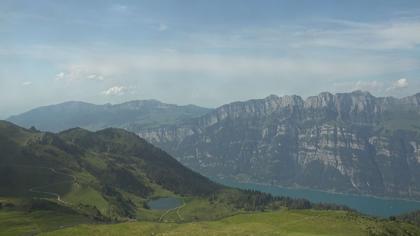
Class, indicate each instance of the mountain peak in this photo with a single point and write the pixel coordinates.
(272, 97)
(291, 100)
(323, 99)
(413, 100)
(141, 104)
(132, 114)
(361, 93)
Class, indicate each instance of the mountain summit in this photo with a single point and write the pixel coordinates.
(132, 115)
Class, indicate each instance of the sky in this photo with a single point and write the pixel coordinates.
(200, 52)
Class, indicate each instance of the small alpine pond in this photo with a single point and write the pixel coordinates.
(164, 203)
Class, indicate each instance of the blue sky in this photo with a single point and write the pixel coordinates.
(203, 52)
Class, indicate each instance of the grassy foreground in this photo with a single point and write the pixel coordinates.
(284, 222)
(30, 223)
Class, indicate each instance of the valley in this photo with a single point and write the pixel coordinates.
(210, 118)
(353, 143)
(87, 183)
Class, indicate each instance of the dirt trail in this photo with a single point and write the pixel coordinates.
(33, 189)
(36, 189)
(174, 209)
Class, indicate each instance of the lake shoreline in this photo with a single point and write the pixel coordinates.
(366, 204)
(164, 203)
(319, 190)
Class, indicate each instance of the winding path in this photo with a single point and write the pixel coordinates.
(56, 195)
(179, 208)
(33, 189)
(173, 209)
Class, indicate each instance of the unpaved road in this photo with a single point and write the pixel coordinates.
(174, 209)
(37, 188)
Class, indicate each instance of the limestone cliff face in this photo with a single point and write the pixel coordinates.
(349, 142)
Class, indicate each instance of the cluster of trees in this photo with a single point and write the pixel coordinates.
(124, 206)
(412, 217)
(252, 200)
(331, 206)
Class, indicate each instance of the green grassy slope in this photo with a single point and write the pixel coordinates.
(296, 222)
(411, 217)
(27, 223)
(111, 170)
(29, 217)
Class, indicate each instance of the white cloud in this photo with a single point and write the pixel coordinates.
(26, 83)
(397, 34)
(382, 88)
(119, 8)
(399, 84)
(59, 76)
(95, 77)
(236, 66)
(116, 90)
(114, 62)
(162, 27)
(78, 73)
(371, 86)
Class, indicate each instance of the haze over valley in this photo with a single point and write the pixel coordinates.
(196, 117)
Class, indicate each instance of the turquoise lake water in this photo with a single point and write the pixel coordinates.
(164, 203)
(365, 204)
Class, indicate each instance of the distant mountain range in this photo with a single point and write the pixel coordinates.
(345, 142)
(348, 142)
(133, 115)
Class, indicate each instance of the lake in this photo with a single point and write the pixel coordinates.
(382, 207)
(164, 203)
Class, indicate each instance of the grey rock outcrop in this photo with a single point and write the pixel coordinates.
(346, 142)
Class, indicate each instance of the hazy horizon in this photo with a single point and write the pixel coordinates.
(116, 103)
(205, 53)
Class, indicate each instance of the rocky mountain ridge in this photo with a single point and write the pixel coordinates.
(346, 142)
